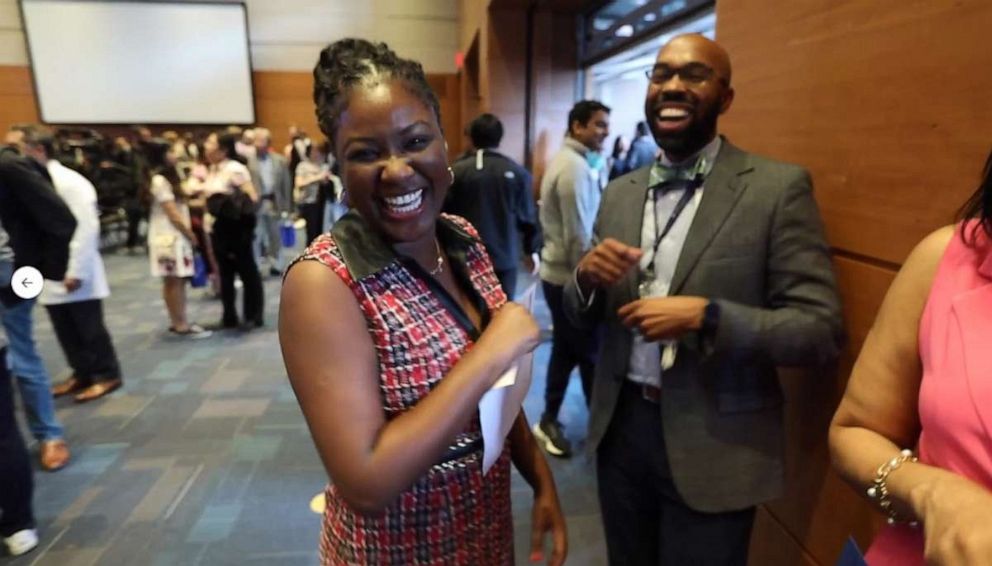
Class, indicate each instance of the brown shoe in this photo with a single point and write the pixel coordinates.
(97, 390)
(54, 454)
(71, 385)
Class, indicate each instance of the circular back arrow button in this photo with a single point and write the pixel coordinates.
(27, 282)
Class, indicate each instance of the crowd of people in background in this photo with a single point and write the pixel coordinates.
(209, 210)
(679, 270)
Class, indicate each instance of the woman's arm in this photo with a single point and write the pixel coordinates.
(249, 189)
(546, 515)
(879, 416)
(332, 366)
(172, 213)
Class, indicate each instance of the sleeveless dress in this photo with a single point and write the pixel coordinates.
(955, 400)
(452, 514)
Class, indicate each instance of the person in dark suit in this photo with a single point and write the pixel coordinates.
(40, 227)
(726, 276)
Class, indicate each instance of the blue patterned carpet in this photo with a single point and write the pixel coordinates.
(204, 458)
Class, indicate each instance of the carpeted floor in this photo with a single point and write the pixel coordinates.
(204, 458)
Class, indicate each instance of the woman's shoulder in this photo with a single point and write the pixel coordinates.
(921, 266)
(323, 250)
(234, 166)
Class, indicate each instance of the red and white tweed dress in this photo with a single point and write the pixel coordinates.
(452, 514)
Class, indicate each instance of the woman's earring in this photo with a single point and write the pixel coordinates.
(452, 172)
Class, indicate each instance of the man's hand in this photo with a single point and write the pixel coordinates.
(664, 318)
(606, 264)
(71, 284)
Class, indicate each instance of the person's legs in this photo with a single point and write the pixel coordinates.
(562, 360)
(690, 537)
(252, 283)
(99, 356)
(267, 240)
(29, 370)
(135, 214)
(313, 214)
(585, 348)
(628, 498)
(274, 220)
(15, 465)
(226, 268)
(548, 430)
(174, 295)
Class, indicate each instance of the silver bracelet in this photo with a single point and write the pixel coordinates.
(879, 490)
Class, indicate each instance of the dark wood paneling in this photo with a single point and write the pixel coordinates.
(772, 544)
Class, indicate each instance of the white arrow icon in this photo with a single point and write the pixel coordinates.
(27, 282)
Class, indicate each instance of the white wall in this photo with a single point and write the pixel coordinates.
(287, 35)
(625, 97)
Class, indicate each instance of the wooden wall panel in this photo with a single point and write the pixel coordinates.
(494, 41)
(886, 102)
(881, 101)
(16, 97)
(818, 509)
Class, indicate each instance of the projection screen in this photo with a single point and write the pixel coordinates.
(107, 62)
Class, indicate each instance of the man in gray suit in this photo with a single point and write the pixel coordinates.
(710, 270)
(275, 189)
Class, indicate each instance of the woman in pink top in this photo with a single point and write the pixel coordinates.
(923, 382)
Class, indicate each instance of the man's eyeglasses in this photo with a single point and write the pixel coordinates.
(691, 74)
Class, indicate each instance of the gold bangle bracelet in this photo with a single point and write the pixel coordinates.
(879, 489)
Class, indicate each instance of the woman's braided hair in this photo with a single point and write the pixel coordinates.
(348, 63)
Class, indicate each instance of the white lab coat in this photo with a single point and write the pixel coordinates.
(85, 262)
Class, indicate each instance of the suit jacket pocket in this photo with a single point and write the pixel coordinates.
(741, 388)
(735, 251)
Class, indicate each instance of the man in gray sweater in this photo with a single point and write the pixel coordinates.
(570, 194)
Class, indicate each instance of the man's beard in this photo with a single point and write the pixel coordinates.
(697, 135)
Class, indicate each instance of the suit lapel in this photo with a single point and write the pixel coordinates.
(722, 188)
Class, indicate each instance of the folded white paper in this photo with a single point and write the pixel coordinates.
(499, 407)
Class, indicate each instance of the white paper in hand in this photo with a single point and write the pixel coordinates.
(499, 407)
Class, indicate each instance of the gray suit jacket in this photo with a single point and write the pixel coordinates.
(283, 190)
(756, 248)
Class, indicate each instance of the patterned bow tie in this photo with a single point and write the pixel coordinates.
(662, 174)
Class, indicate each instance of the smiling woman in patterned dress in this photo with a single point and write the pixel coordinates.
(392, 327)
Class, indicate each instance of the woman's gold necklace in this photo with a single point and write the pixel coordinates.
(439, 268)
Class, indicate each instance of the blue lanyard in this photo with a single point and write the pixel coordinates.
(690, 191)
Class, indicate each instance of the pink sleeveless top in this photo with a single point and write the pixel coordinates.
(955, 401)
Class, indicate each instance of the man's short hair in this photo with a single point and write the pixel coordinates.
(37, 135)
(486, 131)
(641, 129)
(583, 110)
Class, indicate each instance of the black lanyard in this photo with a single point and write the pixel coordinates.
(690, 191)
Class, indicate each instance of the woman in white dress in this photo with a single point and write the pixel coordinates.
(171, 240)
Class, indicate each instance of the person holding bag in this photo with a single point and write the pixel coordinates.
(171, 241)
(231, 200)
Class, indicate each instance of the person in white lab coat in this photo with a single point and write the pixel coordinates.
(75, 304)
